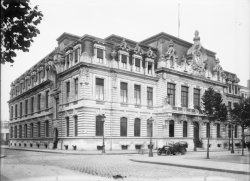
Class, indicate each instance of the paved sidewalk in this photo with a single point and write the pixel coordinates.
(198, 160)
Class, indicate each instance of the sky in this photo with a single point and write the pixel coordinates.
(223, 26)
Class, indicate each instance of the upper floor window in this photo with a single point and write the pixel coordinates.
(38, 102)
(47, 99)
(137, 92)
(230, 88)
(27, 83)
(16, 111)
(150, 96)
(99, 55)
(26, 106)
(123, 126)
(236, 90)
(171, 128)
(25, 131)
(11, 132)
(67, 89)
(21, 109)
(196, 98)
(184, 96)
(218, 76)
(67, 62)
(137, 127)
(150, 68)
(32, 104)
(20, 131)
(77, 54)
(11, 112)
(124, 61)
(67, 126)
(15, 131)
(137, 64)
(31, 130)
(171, 94)
(76, 86)
(124, 92)
(99, 85)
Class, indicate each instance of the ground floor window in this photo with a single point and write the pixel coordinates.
(171, 128)
(184, 128)
(76, 125)
(137, 127)
(123, 126)
(67, 126)
(149, 128)
(99, 126)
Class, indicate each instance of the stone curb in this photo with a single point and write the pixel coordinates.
(194, 167)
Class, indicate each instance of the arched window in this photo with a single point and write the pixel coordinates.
(99, 126)
(208, 130)
(171, 128)
(123, 126)
(184, 128)
(137, 127)
(236, 131)
(149, 128)
(67, 126)
(218, 130)
(76, 125)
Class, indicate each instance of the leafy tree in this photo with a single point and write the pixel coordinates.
(18, 27)
(241, 116)
(214, 109)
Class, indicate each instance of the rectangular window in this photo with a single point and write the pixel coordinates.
(137, 64)
(39, 102)
(230, 104)
(67, 60)
(99, 129)
(27, 84)
(25, 130)
(184, 96)
(99, 85)
(171, 94)
(77, 52)
(123, 127)
(15, 132)
(196, 98)
(67, 126)
(229, 88)
(137, 92)
(47, 99)
(11, 112)
(16, 111)
(32, 105)
(21, 109)
(38, 129)
(124, 92)
(218, 131)
(99, 55)
(26, 107)
(76, 86)
(46, 128)
(150, 96)
(150, 67)
(76, 125)
(20, 131)
(67, 89)
(11, 132)
(236, 90)
(137, 127)
(124, 61)
(31, 130)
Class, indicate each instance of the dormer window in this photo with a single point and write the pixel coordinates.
(230, 88)
(150, 67)
(236, 90)
(124, 61)
(67, 60)
(99, 55)
(137, 64)
(77, 54)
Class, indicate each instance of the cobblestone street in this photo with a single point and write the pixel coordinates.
(103, 166)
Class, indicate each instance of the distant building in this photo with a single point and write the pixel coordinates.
(140, 89)
(4, 132)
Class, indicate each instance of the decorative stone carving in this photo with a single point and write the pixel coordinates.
(171, 55)
(124, 46)
(150, 53)
(138, 50)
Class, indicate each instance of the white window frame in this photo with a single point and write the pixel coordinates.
(97, 60)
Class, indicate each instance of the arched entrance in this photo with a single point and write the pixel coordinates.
(196, 134)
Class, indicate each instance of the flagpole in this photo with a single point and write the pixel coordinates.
(178, 20)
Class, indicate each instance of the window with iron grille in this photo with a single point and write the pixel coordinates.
(137, 127)
(184, 96)
(196, 98)
(124, 92)
(123, 127)
(67, 126)
(137, 92)
(99, 126)
(171, 93)
(150, 96)
(99, 86)
(184, 128)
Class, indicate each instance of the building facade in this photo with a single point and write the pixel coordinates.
(4, 132)
(125, 91)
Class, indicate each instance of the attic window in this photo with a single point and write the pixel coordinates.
(137, 64)
(150, 68)
(100, 55)
(124, 61)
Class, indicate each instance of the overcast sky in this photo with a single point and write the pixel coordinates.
(223, 25)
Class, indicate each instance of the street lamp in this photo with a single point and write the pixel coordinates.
(103, 143)
(231, 128)
(150, 154)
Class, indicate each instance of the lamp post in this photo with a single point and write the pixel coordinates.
(103, 143)
(232, 150)
(150, 154)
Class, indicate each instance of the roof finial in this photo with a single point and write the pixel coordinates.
(196, 35)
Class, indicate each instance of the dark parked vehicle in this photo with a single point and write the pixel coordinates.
(178, 147)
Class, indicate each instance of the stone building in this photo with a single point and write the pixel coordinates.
(124, 90)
